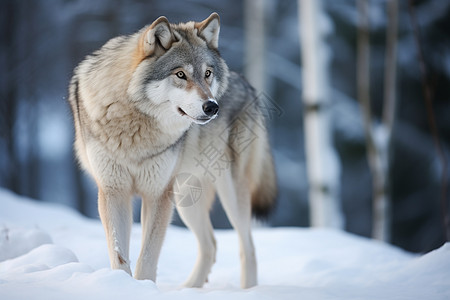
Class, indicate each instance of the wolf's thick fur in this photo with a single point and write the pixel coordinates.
(140, 106)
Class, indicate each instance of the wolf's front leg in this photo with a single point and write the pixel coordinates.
(116, 215)
(155, 217)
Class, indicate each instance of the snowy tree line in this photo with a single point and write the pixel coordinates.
(42, 41)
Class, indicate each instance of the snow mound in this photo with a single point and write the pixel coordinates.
(17, 241)
(44, 257)
(427, 269)
(51, 252)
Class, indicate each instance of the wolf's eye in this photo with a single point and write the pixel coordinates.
(181, 75)
(207, 73)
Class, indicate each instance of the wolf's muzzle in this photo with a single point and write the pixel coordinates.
(210, 108)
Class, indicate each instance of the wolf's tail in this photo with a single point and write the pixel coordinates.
(264, 192)
(264, 196)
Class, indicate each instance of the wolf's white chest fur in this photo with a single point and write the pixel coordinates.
(124, 149)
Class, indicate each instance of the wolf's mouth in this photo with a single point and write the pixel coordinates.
(181, 112)
(201, 120)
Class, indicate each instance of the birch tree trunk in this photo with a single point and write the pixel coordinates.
(378, 135)
(322, 160)
(255, 43)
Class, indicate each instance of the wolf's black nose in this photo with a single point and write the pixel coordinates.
(210, 108)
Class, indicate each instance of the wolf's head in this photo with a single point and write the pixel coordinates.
(179, 73)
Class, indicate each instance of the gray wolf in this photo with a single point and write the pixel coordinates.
(150, 111)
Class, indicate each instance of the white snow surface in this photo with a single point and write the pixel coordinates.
(51, 252)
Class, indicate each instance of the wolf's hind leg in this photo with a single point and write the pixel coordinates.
(116, 215)
(196, 218)
(237, 205)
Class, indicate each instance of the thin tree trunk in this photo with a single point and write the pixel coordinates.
(255, 72)
(382, 231)
(428, 98)
(32, 166)
(378, 136)
(9, 93)
(322, 160)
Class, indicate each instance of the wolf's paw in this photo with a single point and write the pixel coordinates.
(194, 283)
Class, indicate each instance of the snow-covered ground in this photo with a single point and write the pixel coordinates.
(51, 252)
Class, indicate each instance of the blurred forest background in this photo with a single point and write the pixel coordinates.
(42, 41)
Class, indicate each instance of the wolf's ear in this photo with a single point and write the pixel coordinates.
(209, 29)
(158, 38)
